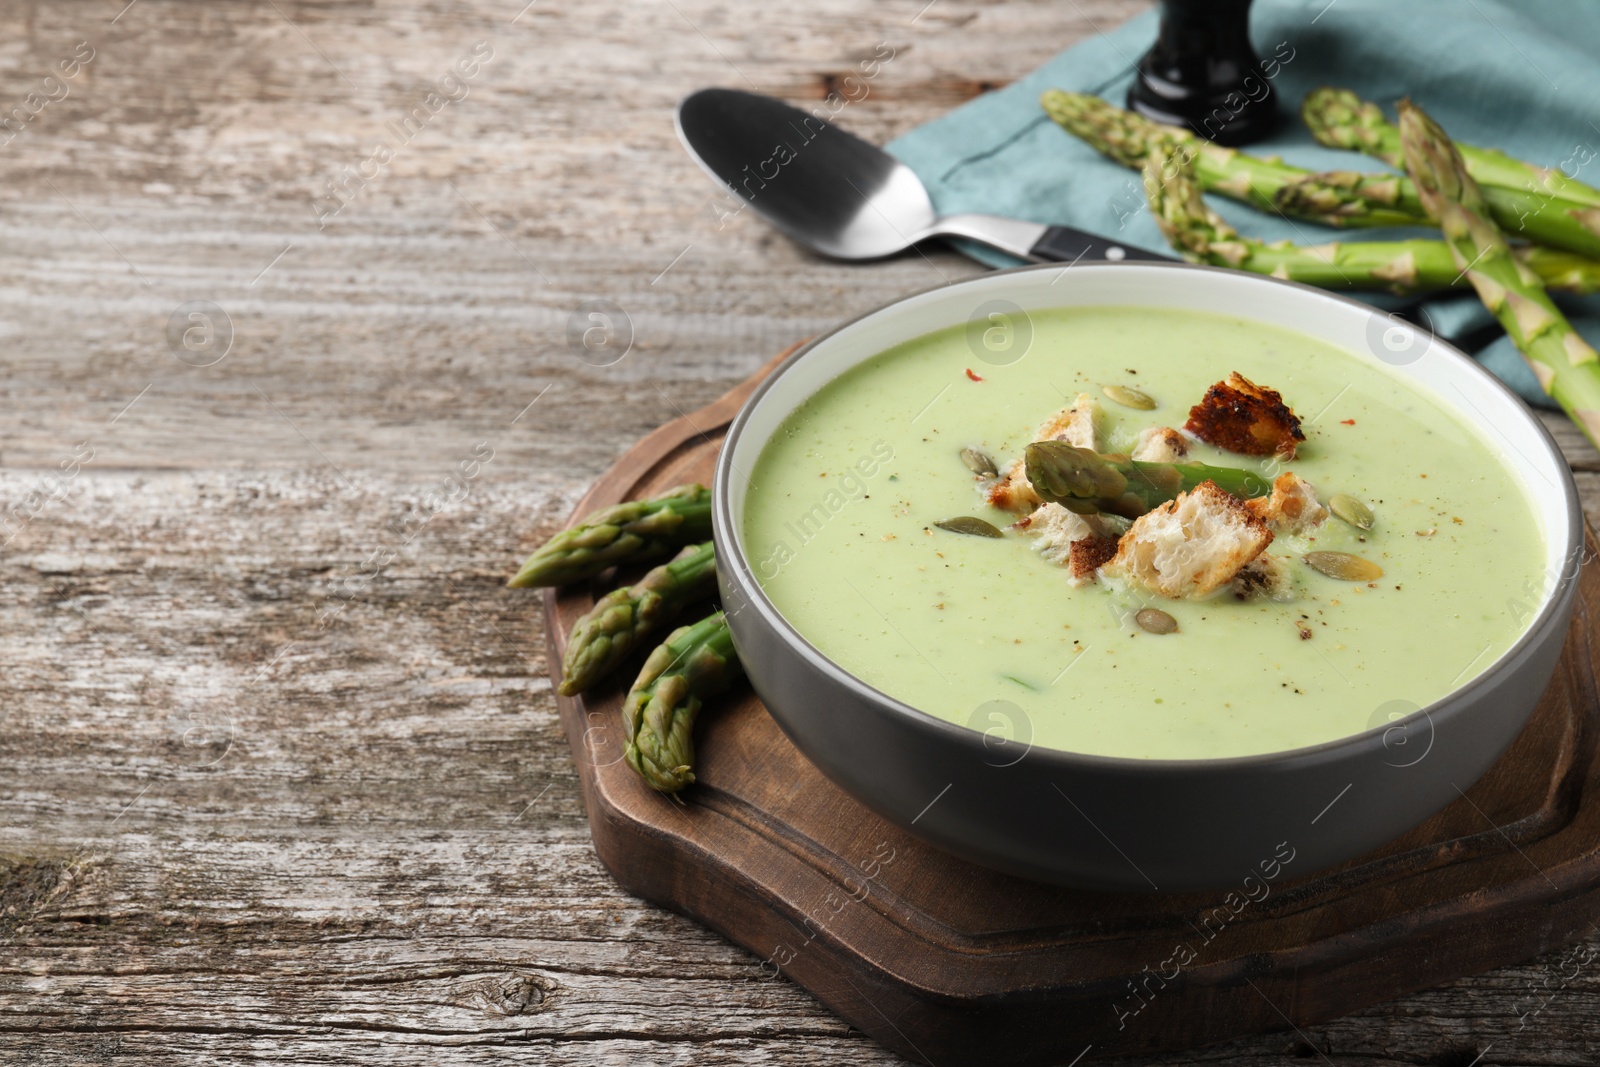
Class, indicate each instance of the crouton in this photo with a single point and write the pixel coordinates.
(1192, 546)
(1265, 576)
(1160, 444)
(1293, 506)
(1089, 554)
(1013, 491)
(1237, 415)
(1058, 533)
(1077, 424)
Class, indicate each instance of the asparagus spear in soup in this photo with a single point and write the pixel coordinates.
(1088, 482)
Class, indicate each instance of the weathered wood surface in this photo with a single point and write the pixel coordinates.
(283, 778)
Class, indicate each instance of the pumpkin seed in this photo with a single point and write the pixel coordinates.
(1344, 566)
(1156, 621)
(978, 462)
(1351, 510)
(1128, 397)
(967, 524)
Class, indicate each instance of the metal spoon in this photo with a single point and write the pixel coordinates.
(843, 197)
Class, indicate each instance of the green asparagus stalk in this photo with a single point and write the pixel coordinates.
(1087, 482)
(1560, 270)
(1566, 366)
(633, 532)
(1525, 214)
(1337, 194)
(1339, 118)
(695, 662)
(604, 636)
(1340, 198)
(1203, 236)
(1129, 139)
(1528, 202)
(1531, 216)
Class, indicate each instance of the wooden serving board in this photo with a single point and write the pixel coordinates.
(948, 963)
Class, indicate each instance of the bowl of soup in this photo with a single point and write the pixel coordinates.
(916, 616)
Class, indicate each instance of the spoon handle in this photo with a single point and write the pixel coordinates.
(1063, 244)
(1039, 243)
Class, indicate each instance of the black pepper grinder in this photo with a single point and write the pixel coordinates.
(1203, 73)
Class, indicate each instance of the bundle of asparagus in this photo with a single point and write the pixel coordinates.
(1337, 198)
(1339, 118)
(1534, 203)
(1420, 265)
(693, 663)
(1131, 139)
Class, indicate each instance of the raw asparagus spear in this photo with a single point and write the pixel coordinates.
(1522, 213)
(695, 662)
(1528, 202)
(604, 636)
(1339, 118)
(1566, 366)
(1338, 198)
(1565, 271)
(631, 532)
(1086, 482)
(1336, 194)
(1202, 236)
(1129, 139)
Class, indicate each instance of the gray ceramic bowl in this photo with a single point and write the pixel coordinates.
(1130, 824)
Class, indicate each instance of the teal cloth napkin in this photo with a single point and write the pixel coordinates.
(1517, 76)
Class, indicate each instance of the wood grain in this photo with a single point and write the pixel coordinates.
(240, 825)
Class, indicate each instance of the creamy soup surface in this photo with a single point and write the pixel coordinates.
(839, 527)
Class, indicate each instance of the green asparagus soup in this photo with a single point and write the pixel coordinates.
(840, 526)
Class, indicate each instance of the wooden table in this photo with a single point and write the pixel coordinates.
(282, 774)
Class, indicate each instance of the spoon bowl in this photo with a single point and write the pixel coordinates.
(838, 195)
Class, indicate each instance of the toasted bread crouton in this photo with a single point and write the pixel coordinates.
(1160, 444)
(1058, 532)
(1077, 424)
(1237, 415)
(1013, 492)
(1265, 576)
(1293, 506)
(1191, 546)
(1089, 554)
